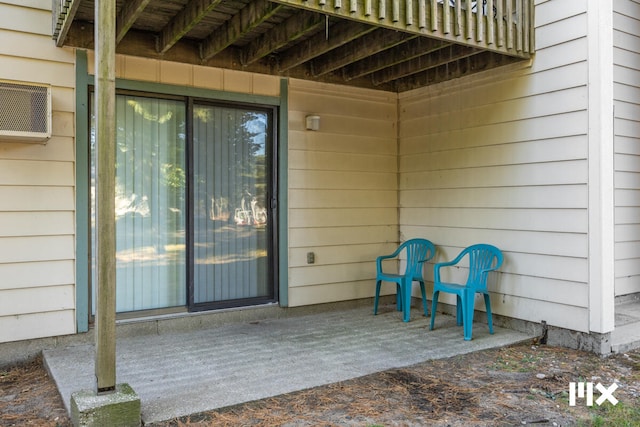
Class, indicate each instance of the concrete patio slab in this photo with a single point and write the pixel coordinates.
(177, 374)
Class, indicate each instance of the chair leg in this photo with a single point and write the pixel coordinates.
(468, 301)
(398, 297)
(424, 300)
(375, 300)
(434, 303)
(406, 300)
(487, 304)
(459, 310)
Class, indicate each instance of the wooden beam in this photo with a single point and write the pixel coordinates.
(249, 17)
(338, 35)
(375, 42)
(142, 44)
(184, 21)
(66, 15)
(414, 48)
(281, 35)
(128, 15)
(105, 108)
(422, 63)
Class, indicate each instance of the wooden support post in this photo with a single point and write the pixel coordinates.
(105, 108)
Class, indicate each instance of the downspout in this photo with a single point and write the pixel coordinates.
(398, 177)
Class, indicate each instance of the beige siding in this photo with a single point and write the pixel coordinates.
(501, 158)
(37, 223)
(626, 55)
(343, 181)
(173, 73)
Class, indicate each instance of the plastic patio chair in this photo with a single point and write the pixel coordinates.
(418, 251)
(482, 259)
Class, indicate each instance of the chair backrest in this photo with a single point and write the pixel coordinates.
(418, 251)
(483, 258)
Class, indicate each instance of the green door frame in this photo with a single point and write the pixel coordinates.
(83, 226)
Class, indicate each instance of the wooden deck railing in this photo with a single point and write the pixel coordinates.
(504, 26)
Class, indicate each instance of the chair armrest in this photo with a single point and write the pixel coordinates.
(436, 267)
(382, 258)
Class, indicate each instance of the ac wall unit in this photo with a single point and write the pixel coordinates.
(25, 112)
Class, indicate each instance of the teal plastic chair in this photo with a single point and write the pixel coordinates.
(418, 251)
(482, 259)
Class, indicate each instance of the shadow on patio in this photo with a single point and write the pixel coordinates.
(182, 373)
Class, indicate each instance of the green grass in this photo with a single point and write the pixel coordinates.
(620, 415)
(527, 363)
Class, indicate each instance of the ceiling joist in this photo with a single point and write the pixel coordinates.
(338, 35)
(413, 48)
(289, 31)
(130, 12)
(184, 21)
(247, 20)
(422, 63)
(377, 41)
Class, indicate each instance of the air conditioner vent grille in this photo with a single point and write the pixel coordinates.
(25, 111)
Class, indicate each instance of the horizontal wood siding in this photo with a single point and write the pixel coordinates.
(173, 73)
(37, 221)
(343, 200)
(501, 158)
(626, 56)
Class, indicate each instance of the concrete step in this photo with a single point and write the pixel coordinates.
(625, 338)
(626, 335)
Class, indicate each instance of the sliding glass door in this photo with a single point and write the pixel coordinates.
(193, 194)
(230, 189)
(150, 203)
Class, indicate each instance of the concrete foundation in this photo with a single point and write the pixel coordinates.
(592, 342)
(118, 408)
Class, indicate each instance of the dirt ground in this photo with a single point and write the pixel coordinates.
(518, 385)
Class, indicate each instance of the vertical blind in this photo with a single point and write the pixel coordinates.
(150, 203)
(230, 244)
(228, 209)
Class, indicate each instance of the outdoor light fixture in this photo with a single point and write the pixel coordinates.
(313, 122)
